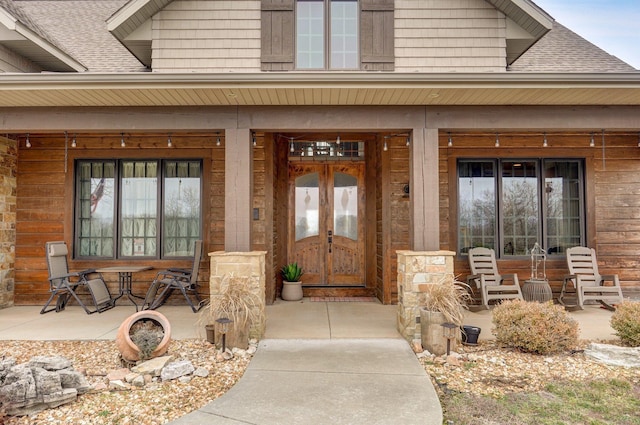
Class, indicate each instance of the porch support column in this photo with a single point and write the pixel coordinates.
(423, 186)
(237, 189)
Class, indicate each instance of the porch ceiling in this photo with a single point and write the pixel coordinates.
(155, 89)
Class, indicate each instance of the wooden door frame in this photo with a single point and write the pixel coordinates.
(281, 196)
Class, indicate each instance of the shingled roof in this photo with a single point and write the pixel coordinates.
(79, 27)
(562, 50)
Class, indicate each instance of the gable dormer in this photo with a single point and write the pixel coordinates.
(26, 48)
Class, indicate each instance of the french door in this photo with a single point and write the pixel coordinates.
(326, 222)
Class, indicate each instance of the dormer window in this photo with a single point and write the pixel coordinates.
(327, 34)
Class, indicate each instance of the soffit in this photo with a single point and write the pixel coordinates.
(151, 89)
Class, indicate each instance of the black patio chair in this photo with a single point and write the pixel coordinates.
(186, 280)
(64, 284)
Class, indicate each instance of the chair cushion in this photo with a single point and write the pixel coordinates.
(58, 250)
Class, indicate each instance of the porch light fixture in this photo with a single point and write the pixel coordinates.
(169, 144)
(450, 142)
(497, 141)
(544, 142)
(28, 143)
(73, 141)
(122, 143)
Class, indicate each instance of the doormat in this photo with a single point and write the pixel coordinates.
(344, 299)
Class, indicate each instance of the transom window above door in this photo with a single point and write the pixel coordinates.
(327, 34)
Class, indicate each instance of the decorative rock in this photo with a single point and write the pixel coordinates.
(138, 381)
(118, 385)
(614, 355)
(201, 372)
(416, 345)
(130, 377)
(184, 379)
(176, 369)
(50, 362)
(118, 375)
(153, 366)
(252, 349)
(73, 379)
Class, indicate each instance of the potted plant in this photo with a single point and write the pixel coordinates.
(291, 283)
(237, 303)
(442, 303)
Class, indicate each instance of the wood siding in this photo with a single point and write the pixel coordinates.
(207, 36)
(45, 204)
(449, 35)
(612, 197)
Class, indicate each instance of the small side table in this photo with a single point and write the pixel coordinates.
(537, 290)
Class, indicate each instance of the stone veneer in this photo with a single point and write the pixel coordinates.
(244, 264)
(8, 161)
(414, 269)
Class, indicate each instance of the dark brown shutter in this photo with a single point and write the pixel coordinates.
(376, 35)
(277, 22)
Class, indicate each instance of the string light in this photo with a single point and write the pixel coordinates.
(338, 140)
(254, 142)
(592, 143)
(384, 146)
(291, 147)
(218, 139)
(497, 141)
(122, 143)
(28, 143)
(544, 143)
(73, 142)
(450, 142)
(169, 144)
(408, 141)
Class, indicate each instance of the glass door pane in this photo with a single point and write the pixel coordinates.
(307, 206)
(345, 206)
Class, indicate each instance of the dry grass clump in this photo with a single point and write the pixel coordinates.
(541, 328)
(146, 335)
(626, 322)
(449, 297)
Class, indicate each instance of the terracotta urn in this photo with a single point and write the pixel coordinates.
(128, 349)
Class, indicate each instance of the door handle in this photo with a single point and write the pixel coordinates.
(330, 239)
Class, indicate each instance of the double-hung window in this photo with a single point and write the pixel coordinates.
(327, 34)
(137, 208)
(510, 204)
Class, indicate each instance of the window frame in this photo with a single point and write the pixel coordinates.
(327, 37)
(543, 236)
(118, 204)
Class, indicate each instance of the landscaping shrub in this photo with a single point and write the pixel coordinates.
(533, 327)
(626, 322)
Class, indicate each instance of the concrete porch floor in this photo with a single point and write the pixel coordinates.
(285, 320)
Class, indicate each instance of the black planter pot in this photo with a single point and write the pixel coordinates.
(470, 335)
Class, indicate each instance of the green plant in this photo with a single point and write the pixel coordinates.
(291, 272)
(626, 322)
(541, 328)
(448, 296)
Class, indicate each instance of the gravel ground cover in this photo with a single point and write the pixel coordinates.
(152, 405)
(485, 369)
